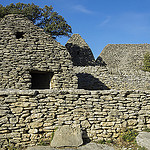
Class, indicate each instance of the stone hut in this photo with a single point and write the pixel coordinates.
(32, 59)
(124, 57)
(80, 51)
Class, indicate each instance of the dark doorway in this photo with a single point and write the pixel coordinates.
(41, 80)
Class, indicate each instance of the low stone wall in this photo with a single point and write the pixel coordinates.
(29, 116)
(102, 78)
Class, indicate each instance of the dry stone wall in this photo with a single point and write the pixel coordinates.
(25, 50)
(119, 66)
(102, 78)
(124, 57)
(29, 57)
(29, 116)
(80, 52)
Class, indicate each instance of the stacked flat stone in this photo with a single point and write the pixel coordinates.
(28, 117)
(80, 51)
(102, 78)
(124, 57)
(26, 48)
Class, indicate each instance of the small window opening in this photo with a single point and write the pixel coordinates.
(78, 52)
(19, 35)
(41, 80)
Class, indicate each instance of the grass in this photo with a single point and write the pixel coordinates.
(127, 139)
(146, 130)
(12, 147)
(43, 142)
(105, 141)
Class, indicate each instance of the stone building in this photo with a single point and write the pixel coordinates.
(119, 66)
(124, 57)
(80, 51)
(32, 59)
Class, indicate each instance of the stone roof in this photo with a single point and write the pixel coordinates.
(124, 56)
(80, 51)
(76, 39)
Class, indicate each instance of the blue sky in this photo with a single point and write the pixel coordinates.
(102, 22)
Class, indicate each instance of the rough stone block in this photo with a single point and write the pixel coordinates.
(3, 120)
(132, 122)
(85, 124)
(67, 136)
(17, 110)
(36, 124)
(32, 131)
(14, 120)
(4, 112)
(143, 140)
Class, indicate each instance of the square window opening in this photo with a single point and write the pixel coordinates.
(41, 80)
(19, 35)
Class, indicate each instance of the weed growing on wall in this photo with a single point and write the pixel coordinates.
(146, 130)
(105, 141)
(11, 146)
(127, 139)
(146, 62)
(52, 136)
(43, 142)
(128, 135)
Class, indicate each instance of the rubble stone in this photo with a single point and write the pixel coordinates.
(67, 136)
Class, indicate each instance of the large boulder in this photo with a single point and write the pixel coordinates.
(67, 136)
(143, 139)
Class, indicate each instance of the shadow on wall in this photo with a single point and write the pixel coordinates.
(81, 56)
(88, 82)
(85, 137)
(100, 61)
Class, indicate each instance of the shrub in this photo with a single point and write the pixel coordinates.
(146, 62)
(129, 135)
(146, 130)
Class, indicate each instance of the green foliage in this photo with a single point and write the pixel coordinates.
(127, 139)
(43, 142)
(146, 66)
(101, 142)
(146, 130)
(46, 17)
(12, 147)
(52, 136)
(105, 141)
(129, 135)
(142, 148)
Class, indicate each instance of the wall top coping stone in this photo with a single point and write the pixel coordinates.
(70, 91)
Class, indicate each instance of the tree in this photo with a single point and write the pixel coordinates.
(146, 62)
(46, 17)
